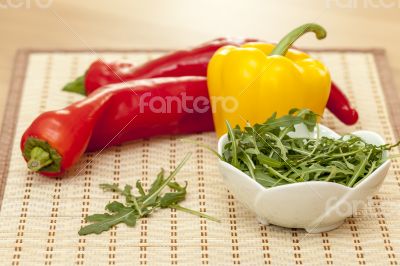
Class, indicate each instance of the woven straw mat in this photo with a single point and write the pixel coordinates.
(40, 217)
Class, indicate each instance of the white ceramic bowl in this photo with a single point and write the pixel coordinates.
(316, 206)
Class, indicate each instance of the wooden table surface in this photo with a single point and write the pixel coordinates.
(91, 24)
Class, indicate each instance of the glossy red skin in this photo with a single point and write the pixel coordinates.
(103, 118)
(189, 62)
(67, 130)
(340, 106)
(124, 110)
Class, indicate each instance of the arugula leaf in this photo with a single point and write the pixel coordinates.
(114, 206)
(124, 215)
(172, 198)
(98, 217)
(158, 182)
(360, 168)
(140, 188)
(232, 138)
(137, 207)
(126, 192)
(278, 144)
(155, 191)
(177, 187)
(263, 159)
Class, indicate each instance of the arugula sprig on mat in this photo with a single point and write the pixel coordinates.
(268, 154)
(142, 205)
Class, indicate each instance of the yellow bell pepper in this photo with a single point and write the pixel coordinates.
(249, 83)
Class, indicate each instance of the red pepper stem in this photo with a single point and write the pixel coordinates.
(77, 86)
(286, 42)
(39, 159)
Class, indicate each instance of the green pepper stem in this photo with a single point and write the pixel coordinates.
(39, 159)
(76, 86)
(286, 42)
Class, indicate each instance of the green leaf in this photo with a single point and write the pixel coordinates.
(232, 138)
(110, 187)
(154, 194)
(131, 219)
(97, 217)
(114, 206)
(266, 180)
(126, 192)
(158, 182)
(274, 172)
(177, 187)
(279, 145)
(372, 168)
(125, 215)
(332, 174)
(359, 169)
(172, 198)
(140, 188)
(252, 151)
(263, 159)
(246, 159)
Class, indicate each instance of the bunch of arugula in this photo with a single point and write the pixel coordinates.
(142, 205)
(267, 153)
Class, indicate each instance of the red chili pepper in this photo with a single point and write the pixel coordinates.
(121, 112)
(191, 62)
(340, 106)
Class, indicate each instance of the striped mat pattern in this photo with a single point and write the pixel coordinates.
(40, 217)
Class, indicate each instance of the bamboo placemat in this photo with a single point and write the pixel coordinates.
(40, 217)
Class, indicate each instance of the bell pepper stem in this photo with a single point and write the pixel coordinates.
(39, 159)
(286, 42)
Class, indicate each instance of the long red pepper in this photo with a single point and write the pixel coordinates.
(189, 62)
(192, 62)
(121, 112)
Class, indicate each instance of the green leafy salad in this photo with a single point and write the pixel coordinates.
(270, 155)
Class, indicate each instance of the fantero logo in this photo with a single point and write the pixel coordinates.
(348, 4)
(27, 4)
(184, 103)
